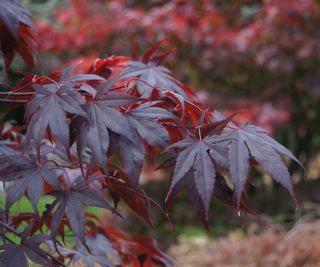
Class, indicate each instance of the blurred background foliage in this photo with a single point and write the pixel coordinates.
(261, 57)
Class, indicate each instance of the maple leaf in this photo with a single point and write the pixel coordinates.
(29, 176)
(71, 203)
(249, 140)
(16, 32)
(50, 105)
(143, 119)
(195, 158)
(102, 117)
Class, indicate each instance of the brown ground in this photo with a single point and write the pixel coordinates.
(273, 247)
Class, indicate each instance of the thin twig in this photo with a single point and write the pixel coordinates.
(13, 101)
(9, 228)
(8, 93)
(6, 238)
(174, 125)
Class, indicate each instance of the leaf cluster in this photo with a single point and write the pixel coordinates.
(78, 127)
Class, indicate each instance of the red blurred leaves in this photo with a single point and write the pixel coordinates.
(17, 33)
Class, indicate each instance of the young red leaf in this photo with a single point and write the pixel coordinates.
(122, 187)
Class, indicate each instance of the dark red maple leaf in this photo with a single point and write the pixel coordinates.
(103, 117)
(122, 188)
(29, 176)
(195, 159)
(249, 140)
(71, 202)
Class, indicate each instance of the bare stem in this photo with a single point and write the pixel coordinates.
(8, 93)
(13, 101)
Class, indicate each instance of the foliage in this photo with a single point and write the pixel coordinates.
(260, 55)
(84, 142)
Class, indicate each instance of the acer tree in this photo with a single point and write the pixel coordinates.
(84, 142)
(260, 55)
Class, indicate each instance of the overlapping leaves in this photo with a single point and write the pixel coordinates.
(50, 105)
(28, 176)
(197, 165)
(102, 117)
(71, 203)
(196, 169)
(103, 253)
(144, 120)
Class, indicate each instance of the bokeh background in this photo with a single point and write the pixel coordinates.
(260, 57)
